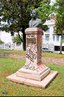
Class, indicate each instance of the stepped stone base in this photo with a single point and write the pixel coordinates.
(35, 74)
(43, 83)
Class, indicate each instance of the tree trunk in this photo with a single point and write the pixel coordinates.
(61, 45)
(24, 39)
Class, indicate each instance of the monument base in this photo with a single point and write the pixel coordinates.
(42, 84)
(32, 72)
(39, 76)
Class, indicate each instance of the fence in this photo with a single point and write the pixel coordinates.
(11, 46)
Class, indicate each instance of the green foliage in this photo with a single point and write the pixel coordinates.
(43, 12)
(18, 40)
(17, 15)
(1, 42)
(59, 9)
(59, 25)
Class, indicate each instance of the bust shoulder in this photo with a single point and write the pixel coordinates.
(35, 22)
(38, 20)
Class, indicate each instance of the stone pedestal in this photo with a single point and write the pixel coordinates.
(34, 71)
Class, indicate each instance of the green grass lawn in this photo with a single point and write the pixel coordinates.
(8, 88)
(45, 54)
(13, 51)
(53, 55)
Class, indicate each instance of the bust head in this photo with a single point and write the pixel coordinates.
(33, 14)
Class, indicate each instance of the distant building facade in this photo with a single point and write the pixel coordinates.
(8, 42)
(50, 39)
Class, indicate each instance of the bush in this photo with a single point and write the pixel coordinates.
(1, 42)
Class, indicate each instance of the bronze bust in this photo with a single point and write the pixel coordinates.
(35, 21)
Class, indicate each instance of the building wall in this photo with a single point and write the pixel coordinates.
(50, 39)
(8, 43)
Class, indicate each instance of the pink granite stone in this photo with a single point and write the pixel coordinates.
(33, 45)
(34, 72)
(35, 30)
(42, 84)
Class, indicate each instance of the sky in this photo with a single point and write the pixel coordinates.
(6, 37)
(53, 1)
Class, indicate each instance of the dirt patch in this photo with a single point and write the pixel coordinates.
(46, 60)
(17, 56)
(56, 61)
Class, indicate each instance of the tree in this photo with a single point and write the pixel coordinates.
(17, 14)
(44, 10)
(59, 25)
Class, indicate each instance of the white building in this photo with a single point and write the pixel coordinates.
(8, 43)
(8, 40)
(50, 39)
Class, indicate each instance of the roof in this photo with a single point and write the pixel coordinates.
(49, 22)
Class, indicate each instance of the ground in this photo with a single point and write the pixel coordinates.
(46, 59)
(10, 65)
(56, 61)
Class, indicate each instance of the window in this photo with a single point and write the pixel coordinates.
(57, 38)
(47, 37)
(53, 37)
(63, 38)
